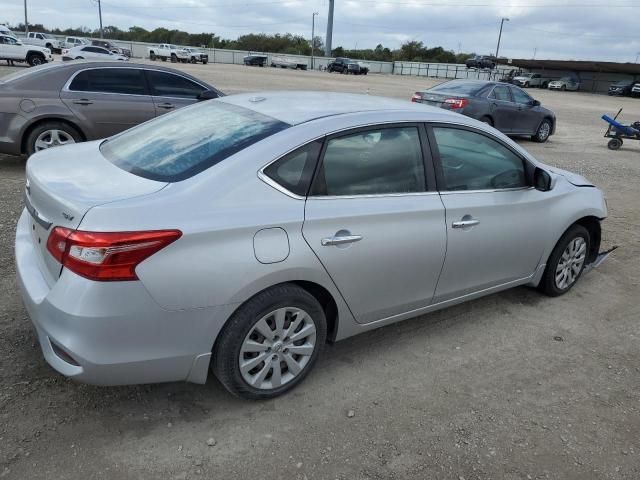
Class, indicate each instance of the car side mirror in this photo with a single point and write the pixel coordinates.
(535, 103)
(207, 95)
(542, 180)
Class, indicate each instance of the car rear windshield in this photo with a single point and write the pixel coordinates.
(179, 145)
(467, 88)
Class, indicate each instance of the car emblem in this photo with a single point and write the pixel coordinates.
(67, 216)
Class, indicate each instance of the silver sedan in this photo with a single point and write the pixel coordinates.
(241, 234)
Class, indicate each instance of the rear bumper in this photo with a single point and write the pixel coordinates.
(114, 332)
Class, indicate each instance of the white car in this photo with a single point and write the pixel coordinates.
(13, 50)
(90, 52)
(565, 83)
(71, 42)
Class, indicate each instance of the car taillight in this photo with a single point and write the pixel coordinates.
(457, 103)
(417, 97)
(106, 256)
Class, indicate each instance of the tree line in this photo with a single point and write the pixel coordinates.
(286, 43)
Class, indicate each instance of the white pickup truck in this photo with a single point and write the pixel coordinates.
(527, 80)
(44, 40)
(166, 51)
(13, 50)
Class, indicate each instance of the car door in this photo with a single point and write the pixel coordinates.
(502, 108)
(495, 221)
(108, 100)
(171, 91)
(373, 223)
(527, 116)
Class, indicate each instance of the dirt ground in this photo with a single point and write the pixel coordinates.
(511, 386)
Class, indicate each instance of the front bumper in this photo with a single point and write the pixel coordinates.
(113, 332)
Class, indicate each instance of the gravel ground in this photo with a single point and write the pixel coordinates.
(511, 386)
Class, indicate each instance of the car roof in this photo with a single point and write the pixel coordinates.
(296, 107)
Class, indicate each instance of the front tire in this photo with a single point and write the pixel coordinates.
(543, 133)
(271, 343)
(567, 262)
(51, 134)
(35, 59)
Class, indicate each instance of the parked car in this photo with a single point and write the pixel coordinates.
(13, 50)
(112, 47)
(255, 60)
(44, 40)
(480, 61)
(635, 90)
(294, 63)
(343, 65)
(166, 51)
(90, 52)
(74, 101)
(71, 42)
(527, 80)
(241, 234)
(565, 83)
(197, 55)
(621, 88)
(4, 30)
(364, 68)
(505, 107)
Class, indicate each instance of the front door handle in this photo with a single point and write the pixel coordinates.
(167, 106)
(340, 240)
(465, 223)
(83, 101)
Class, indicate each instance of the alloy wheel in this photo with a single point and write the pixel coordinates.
(277, 348)
(570, 263)
(544, 131)
(53, 138)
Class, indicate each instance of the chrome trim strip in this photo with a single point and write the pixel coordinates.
(489, 190)
(34, 213)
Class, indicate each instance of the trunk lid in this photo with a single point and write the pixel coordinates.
(63, 183)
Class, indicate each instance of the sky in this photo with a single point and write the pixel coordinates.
(548, 29)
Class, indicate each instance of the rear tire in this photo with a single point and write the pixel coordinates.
(65, 131)
(241, 330)
(544, 131)
(614, 144)
(565, 263)
(174, 58)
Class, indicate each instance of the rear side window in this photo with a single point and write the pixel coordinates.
(165, 84)
(501, 93)
(471, 161)
(294, 171)
(181, 144)
(126, 81)
(372, 162)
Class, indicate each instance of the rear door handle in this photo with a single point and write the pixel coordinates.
(83, 101)
(465, 223)
(340, 240)
(167, 106)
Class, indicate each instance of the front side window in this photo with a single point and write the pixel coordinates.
(125, 81)
(373, 162)
(294, 171)
(521, 97)
(165, 84)
(183, 143)
(471, 161)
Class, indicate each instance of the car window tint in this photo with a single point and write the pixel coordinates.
(373, 162)
(165, 84)
(127, 81)
(501, 93)
(164, 150)
(520, 96)
(471, 161)
(295, 170)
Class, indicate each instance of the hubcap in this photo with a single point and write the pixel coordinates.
(544, 131)
(277, 348)
(570, 263)
(53, 138)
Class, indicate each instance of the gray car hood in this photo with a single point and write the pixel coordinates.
(573, 178)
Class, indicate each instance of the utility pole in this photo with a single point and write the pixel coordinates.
(504, 19)
(100, 14)
(313, 35)
(327, 41)
(637, 55)
(26, 23)
(535, 50)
